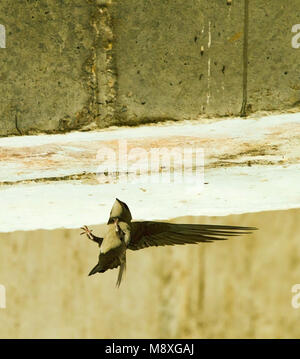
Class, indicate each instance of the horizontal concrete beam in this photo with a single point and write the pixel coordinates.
(54, 181)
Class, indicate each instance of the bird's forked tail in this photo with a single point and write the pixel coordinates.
(121, 270)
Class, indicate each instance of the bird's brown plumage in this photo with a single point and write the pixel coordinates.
(122, 234)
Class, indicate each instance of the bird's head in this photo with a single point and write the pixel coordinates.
(121, 211)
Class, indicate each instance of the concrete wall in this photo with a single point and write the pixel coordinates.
(274, 65)
(88, 64)
(46, 70)
(239, 288)
(162, 72)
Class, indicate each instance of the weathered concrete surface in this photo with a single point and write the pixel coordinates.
(47, 82)
(240, 288)
(274, 66)
(163, 72)
(54, 181)
(270, 140)
(71, 204)
(84, 64)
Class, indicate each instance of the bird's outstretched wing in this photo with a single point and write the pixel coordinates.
(146, 234)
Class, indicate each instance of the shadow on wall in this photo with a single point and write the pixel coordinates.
(238, 288)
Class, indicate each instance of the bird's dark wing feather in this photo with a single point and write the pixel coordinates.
(146, 234)
(106, 261)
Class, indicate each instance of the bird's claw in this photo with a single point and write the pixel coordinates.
(87, 231)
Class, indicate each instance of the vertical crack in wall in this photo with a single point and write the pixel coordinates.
(245, 59)
(208, 65)
(100, 70)
(106, 67)
(94, 106)
(86, 117)
(17, 125)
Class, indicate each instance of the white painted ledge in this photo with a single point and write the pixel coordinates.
(251, 165)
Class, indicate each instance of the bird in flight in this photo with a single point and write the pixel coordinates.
(122, 234)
